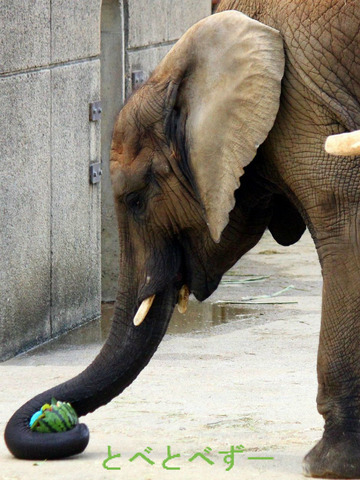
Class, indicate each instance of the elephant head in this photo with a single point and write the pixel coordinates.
(180, 148)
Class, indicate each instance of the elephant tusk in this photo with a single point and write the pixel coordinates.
(143, 310)
(183, 299)
(345, 144)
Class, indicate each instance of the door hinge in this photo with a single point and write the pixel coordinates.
(95, 110)
(95, 173)
(138, 77)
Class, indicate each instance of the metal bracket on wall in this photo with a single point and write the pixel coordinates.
(95, 173)
(95, 110)
(138, 77)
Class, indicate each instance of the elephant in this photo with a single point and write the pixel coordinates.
(225, 140)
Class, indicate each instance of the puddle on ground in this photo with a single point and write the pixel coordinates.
(199, 318)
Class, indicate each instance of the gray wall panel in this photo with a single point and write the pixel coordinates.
(24, 34)
(24, 211)
(75, 202)
(157, 21)
(75, 31)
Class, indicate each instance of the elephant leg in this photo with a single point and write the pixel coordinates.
(326, 191)
(335, 229)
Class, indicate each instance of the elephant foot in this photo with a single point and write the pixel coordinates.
(335, 456)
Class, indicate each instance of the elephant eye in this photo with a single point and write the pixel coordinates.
(135, 202)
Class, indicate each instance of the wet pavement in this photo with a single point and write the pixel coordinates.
(238, 369)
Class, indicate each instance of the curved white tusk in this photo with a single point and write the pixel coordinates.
(183, 299)
(345, 144)
(143, 310)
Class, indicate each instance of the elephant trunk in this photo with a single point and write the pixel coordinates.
(125, 353)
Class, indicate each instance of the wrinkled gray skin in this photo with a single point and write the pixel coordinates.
(183, 219)
(320, 97)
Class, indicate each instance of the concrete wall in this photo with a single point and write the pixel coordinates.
(112, 98)
(150, 29)
(51, 68)
(49, 212)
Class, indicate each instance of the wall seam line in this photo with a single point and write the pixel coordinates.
(49, 67)
(51, 182)
(153, 45)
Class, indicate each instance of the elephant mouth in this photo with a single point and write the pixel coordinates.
(145, 305)
(201, 290)
(187, 274)
(177, 277)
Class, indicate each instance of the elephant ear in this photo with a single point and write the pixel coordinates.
(226, 71)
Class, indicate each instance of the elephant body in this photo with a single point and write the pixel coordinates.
(225, 140)
(321, 97)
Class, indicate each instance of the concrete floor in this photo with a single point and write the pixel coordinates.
(225, 375)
